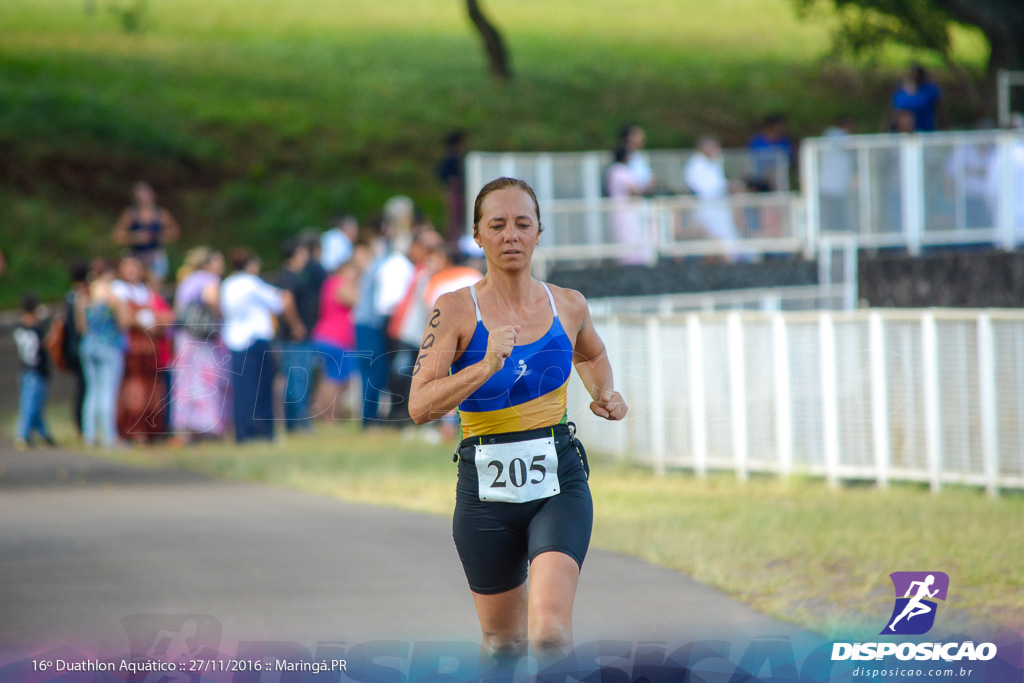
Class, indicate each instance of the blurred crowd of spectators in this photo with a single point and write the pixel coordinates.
(332, 334)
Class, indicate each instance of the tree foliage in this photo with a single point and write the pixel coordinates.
(866, 25)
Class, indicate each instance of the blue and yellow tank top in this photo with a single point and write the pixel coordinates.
(530, 389)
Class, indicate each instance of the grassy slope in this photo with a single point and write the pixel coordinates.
(796, 550)
(255, 118)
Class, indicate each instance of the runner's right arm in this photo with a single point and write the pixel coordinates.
(435, 392)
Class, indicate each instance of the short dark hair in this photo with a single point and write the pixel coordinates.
(456, 137)
(241, 257)
(79, 271)
(29, 302)
(289, 247)
(504, 184)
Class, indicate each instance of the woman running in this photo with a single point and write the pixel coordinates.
(502, 352)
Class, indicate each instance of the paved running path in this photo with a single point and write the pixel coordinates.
(86, 543)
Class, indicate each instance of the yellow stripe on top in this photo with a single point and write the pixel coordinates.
(542, 411)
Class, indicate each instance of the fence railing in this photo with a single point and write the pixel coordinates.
(833, 297)
(916, 190)
(906, 191)
(933, 396)
(638, 231)
(580, 175)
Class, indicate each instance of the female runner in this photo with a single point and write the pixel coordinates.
(502, 352)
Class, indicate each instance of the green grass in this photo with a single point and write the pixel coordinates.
(795, 549)
(256, 118)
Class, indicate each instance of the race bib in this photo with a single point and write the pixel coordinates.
(517, 472)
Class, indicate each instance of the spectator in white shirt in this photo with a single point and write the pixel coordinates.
(336, 243)
(705, 177)
(248, 305)
(383, 286)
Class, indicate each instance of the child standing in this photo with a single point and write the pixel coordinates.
(29, 338)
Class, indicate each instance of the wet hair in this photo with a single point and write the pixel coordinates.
(503, 184)
(29, 302)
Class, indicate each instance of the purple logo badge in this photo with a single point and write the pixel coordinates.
(914, 612)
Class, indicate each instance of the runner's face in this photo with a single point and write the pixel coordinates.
(508, 230)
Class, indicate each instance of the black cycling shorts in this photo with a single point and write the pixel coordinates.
(496, 541)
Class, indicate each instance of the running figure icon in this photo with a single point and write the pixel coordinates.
(915, 606)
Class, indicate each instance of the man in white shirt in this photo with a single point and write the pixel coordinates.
(248, 305)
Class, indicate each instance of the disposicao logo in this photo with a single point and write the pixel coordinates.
(914, 613)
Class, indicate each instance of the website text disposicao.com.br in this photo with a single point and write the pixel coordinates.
(955, 672)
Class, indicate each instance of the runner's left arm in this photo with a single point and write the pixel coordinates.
(591, 361)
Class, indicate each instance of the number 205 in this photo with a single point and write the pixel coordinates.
(517, 472)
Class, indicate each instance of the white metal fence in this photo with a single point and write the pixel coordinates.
(909, 191)
(639, 231)
(933, 396)
(916, 190)
(580, 175)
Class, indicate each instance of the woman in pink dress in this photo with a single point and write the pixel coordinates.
(335, 336)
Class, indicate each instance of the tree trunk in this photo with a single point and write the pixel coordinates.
(493, 45)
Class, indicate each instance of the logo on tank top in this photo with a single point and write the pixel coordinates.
(521, 370)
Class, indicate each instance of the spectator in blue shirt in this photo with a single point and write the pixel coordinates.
(919, 95)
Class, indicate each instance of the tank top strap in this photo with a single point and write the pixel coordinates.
(554, 310)
(476, 304)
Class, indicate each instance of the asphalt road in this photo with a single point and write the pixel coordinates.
(87, 546)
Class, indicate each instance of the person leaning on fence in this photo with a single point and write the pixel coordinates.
(503, 351)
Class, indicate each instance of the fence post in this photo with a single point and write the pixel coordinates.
(912, 192)
(1007, 238)
(657, 397)
(864, 213)
(507, 165)
(829, 401)
(930, 387)
(737, 394)
(590, 167)
(783, 405)
(987, 391)
(879, 398)
(545, 179)
(809, 184)
(698, 423)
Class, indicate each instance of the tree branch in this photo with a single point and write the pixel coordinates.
(493, 45)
